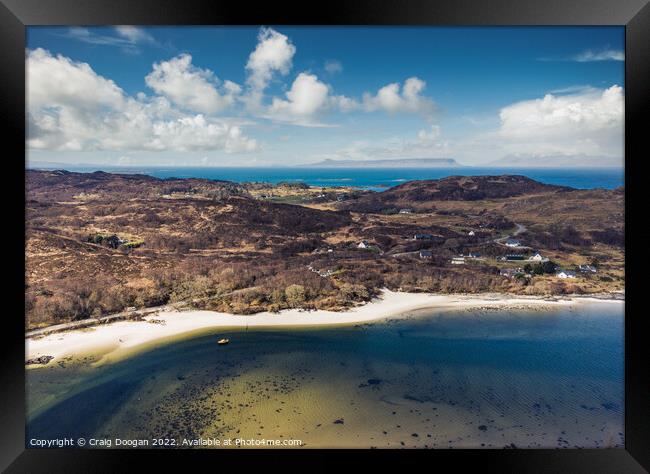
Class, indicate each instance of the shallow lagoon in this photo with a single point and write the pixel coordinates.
(492, 379)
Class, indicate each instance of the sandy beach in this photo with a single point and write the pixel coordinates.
(113, 341)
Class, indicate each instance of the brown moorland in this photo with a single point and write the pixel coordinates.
(98, 243)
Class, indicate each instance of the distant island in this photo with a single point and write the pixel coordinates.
(394, 163)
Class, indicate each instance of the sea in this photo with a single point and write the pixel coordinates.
(486, 379)
(376, 179)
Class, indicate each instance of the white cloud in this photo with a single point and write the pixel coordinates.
(134, 34)
(393, 100)
(191, 87)
(71, 107)
(307, 97)
(127, 38)
(198, 133)
(583, 127)
(600, 55)
(586, 123)
(333, 66)
(60, 82)
(429, 136)
(274, 53)
(427, 144)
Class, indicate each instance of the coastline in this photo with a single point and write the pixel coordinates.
(116, 340)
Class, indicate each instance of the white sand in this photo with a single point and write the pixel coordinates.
(119, 339)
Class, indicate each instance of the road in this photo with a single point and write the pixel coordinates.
(520, 229)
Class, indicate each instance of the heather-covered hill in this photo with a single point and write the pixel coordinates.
(422, 195)
(99, 243)
(61, 185)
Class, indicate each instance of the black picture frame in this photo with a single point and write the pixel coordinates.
(15, 15)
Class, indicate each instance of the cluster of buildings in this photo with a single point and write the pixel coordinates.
(565, 274)
(510, 272)
(423, 237)
(535, 258)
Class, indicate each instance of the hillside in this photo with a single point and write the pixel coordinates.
(422, 195)
(99, 243)
(61, 185)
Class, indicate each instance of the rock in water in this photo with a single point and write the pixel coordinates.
(42, 360)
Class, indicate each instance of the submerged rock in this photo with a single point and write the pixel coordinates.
(42, 360)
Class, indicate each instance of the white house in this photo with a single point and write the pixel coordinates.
(458, 261)
(363, 244)
(538, 258)
(565, 274)
(471, 233)
(512, 243)
(405, 211)
(587, 268)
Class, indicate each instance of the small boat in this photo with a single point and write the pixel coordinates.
(223, 342)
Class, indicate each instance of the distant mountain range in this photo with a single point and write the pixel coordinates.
(394, 163)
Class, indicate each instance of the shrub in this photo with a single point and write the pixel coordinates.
(351, 292)
(295, 295)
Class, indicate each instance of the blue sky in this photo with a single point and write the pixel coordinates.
(253, 96)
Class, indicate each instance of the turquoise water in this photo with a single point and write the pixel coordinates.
(377, 178)
(488, 379)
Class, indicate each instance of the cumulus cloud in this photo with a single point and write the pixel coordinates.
(394, 98)
(583, 127)
(273, 54)
(586, 123)
(191, 87)
(59, 82)
(71, 107)
(307, 97)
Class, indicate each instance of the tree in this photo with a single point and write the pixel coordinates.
(295, 295)
(538, 269)
(548, 267)
(351, 292)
